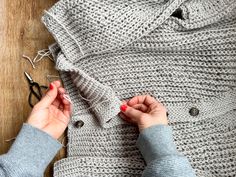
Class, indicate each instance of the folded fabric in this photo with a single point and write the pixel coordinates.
(182, 52)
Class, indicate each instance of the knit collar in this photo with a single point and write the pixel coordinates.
(107, 26)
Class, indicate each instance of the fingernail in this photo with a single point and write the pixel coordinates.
(51, 86)
(123, 107)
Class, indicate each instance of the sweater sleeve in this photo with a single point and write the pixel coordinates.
(30, 153)
(159, 151)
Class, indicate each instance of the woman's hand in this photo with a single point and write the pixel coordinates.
(52, 113)
(144, 111)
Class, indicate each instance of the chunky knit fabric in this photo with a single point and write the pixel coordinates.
(182, 52)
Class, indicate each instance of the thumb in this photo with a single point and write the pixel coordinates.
(49, 97)
(131, 112)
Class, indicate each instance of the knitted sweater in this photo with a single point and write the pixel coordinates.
(33, 149)
(182, 52)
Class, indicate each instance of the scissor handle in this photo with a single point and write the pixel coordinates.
(37, 94)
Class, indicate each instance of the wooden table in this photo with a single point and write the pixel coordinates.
(22, 32)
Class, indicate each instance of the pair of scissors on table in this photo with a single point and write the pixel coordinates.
(35, 89)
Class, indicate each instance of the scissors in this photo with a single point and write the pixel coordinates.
(35, 89)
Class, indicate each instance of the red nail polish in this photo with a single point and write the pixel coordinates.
(51, 86)
(123, 107)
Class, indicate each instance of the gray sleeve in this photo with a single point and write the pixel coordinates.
(160, 154)
(30, 153)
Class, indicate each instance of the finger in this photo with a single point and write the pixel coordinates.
(61, 90)
(124, 102)
(141, 107)
(49, 97)
(56, 102)
(67, 105)
(67, 110)
(57, 83)
(157, 106)
(62, 95)
(124, 117)
(61, 106)
(142, 99)
(130, 112)
(65, 99)
(58, 99)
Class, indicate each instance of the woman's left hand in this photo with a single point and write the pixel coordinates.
(52, 113)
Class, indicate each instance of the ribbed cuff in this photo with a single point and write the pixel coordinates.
(31, 152)
(155, 142)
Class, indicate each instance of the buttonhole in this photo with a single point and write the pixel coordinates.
(178, 13)
(108, 121)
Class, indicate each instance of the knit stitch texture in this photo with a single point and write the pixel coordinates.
(182, 52)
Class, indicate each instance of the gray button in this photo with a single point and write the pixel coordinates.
(78, 124)
(194, 111)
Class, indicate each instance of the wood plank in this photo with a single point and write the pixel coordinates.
(22, 32)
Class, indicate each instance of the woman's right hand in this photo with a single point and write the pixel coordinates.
(144, 111)
(52, 113)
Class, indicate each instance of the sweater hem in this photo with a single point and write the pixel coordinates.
(98, 166)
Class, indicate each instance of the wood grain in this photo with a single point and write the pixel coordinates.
(22, 32)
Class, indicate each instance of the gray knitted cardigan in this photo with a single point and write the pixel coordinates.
(182, 52)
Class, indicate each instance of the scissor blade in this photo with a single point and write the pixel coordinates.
(28, 77)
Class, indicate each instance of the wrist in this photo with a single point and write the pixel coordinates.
(156, 141)
(52, 130)
(33, 149)
(41, 129)
(148, 124)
